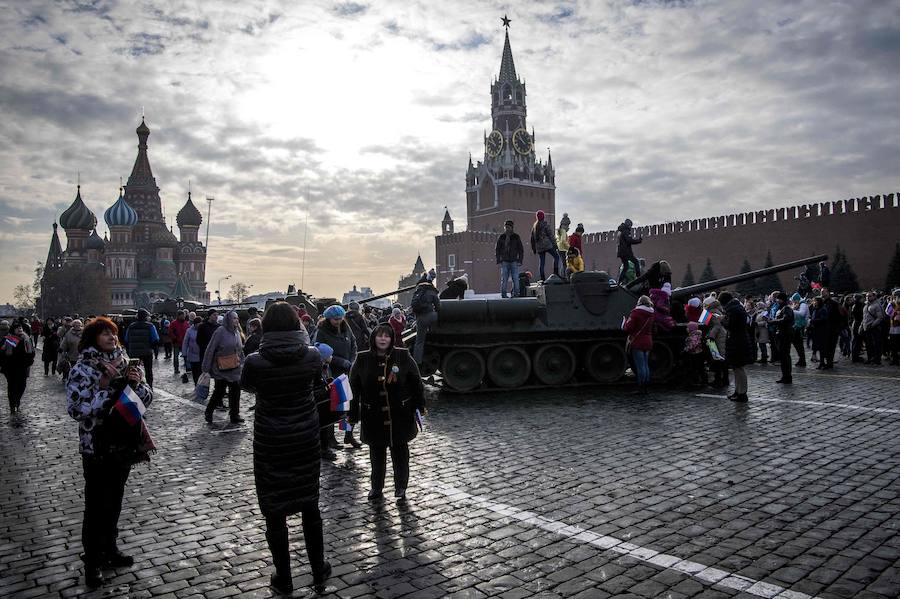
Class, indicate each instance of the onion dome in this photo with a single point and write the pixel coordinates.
(94, 242)
(78, 216)
(142, 129)
(189, 215)
(120, 214)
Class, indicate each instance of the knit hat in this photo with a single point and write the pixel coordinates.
(708, 301)
(396, 312)
(143, 314)
(432, 275)
(796, 297)
(509, 223)
(540, 214)
(579, 228)
(334, 311)
(325, 350)
(667, 288)
(694, 302)
(353, 306)
(306, 318)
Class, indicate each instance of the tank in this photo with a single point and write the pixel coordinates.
(567, 333)
(316, 305)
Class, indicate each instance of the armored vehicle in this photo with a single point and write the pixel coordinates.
(314, 306)
(567, 333)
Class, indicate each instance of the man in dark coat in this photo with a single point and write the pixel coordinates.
(824, 274)
(425, 305)
(358, 324)
(456, 289)
(738, 347)
(834, 324)
(625, 238)
(784, 327)
(286, 440)
(141, 338)
(510, 254)
(206, 330)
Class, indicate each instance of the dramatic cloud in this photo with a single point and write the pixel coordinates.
(360, 117)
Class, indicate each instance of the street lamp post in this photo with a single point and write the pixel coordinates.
(219, 287)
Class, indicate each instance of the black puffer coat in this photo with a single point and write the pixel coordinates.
(342, 341)
(385, 402)
(286, 428)
(738, 347)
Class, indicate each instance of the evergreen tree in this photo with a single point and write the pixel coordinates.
(688, 279)
(768, 283)
(708, 275)
(746, 288)
(893, 276)
(843, 279)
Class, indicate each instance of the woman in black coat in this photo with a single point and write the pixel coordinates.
(738, 347)
(50, 349)
(387, 392)
(286, 441)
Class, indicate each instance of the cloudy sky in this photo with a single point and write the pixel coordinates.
(654, 110)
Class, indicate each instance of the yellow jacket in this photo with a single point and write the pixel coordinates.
(575, 263)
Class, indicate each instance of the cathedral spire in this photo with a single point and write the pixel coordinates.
(141, 174)
(54, 255)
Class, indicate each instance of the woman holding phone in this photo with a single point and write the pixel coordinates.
(110, 443)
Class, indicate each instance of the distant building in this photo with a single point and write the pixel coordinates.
(141, 259)
(411, 279)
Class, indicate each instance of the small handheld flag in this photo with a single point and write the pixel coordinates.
(12, 341)
(420, 421)
(130, 406)
(705, 317)
(340, 394)
(343, 425)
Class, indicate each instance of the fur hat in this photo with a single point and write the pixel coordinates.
(396, 312)
(325, 350)
(334, 311)
(667, 288)
(694, 302)
(540, 214)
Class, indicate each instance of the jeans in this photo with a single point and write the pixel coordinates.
(399, 460)
(509, 270)
(873, 345)
(423, 324)
(104, 487)
(641, 359)
(543, 256)
(279, 544)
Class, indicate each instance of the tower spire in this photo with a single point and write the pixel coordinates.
(507, 66)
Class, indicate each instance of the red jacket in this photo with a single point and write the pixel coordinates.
(398, 324)
(177, 331)
(639, 327)
(575, 242)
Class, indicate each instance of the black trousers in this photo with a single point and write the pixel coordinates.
(784, 358)
(176, 351)
(196, 370)
(399, 460)
(104, 487)
(277, 537)
(15, 388)
(147, 361)
(873, 345)
(234, 397)
(831, 341)
(49, 365)
(797, 342)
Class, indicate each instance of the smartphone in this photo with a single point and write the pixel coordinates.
(134, 362)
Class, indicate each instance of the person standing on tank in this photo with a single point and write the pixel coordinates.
(625, 238)
(510, 253)
(738, 347)
(387, 395)
(141, 337)
(425, 305)
(543, 242)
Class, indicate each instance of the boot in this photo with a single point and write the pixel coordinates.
(283, 585)
(348, 439)
(93, 576)
(320, 581)
(117, 559)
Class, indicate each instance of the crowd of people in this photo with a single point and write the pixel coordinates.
(726, 332)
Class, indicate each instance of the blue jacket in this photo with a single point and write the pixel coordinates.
(189, 348)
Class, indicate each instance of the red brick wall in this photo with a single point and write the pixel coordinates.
(866, 229)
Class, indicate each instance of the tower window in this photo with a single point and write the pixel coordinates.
(451, 261)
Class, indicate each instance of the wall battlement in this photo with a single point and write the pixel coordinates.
(889, 201)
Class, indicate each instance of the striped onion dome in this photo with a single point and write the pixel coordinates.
(77, 216)
(94, 242)
(120, 214)
(189, 215)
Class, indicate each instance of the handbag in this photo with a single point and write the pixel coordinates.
(630, 339)
(229, 362)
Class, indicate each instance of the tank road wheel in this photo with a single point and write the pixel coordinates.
(606, 362)
(463, 369)
(430, 362)
(554, 364)
(509, 366)
(661, 361)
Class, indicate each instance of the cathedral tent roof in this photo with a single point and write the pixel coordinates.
(182, 289)
(54, 255)
(94, 242)
(419, 266)
(77, 215)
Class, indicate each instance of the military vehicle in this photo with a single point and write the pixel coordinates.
(567, 333)
(316, 305)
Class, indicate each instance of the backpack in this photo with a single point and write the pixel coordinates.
(420, 302)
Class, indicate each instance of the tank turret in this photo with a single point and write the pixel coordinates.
(567, 333)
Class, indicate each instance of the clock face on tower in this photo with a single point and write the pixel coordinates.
(494, 144)
(521, 141)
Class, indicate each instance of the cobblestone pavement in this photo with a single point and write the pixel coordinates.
(592, 492)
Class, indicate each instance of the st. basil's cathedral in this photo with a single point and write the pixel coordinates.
(141, 257)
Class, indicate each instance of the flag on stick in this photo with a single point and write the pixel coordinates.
(130, 406)
(341, 394)
(705, 317)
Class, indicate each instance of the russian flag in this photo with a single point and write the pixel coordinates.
(705, 317)
(341, 394)
(130, 406)
(344, 425)
(12, 341)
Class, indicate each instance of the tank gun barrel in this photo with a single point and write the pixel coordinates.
(683, 292)
(388, 294)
